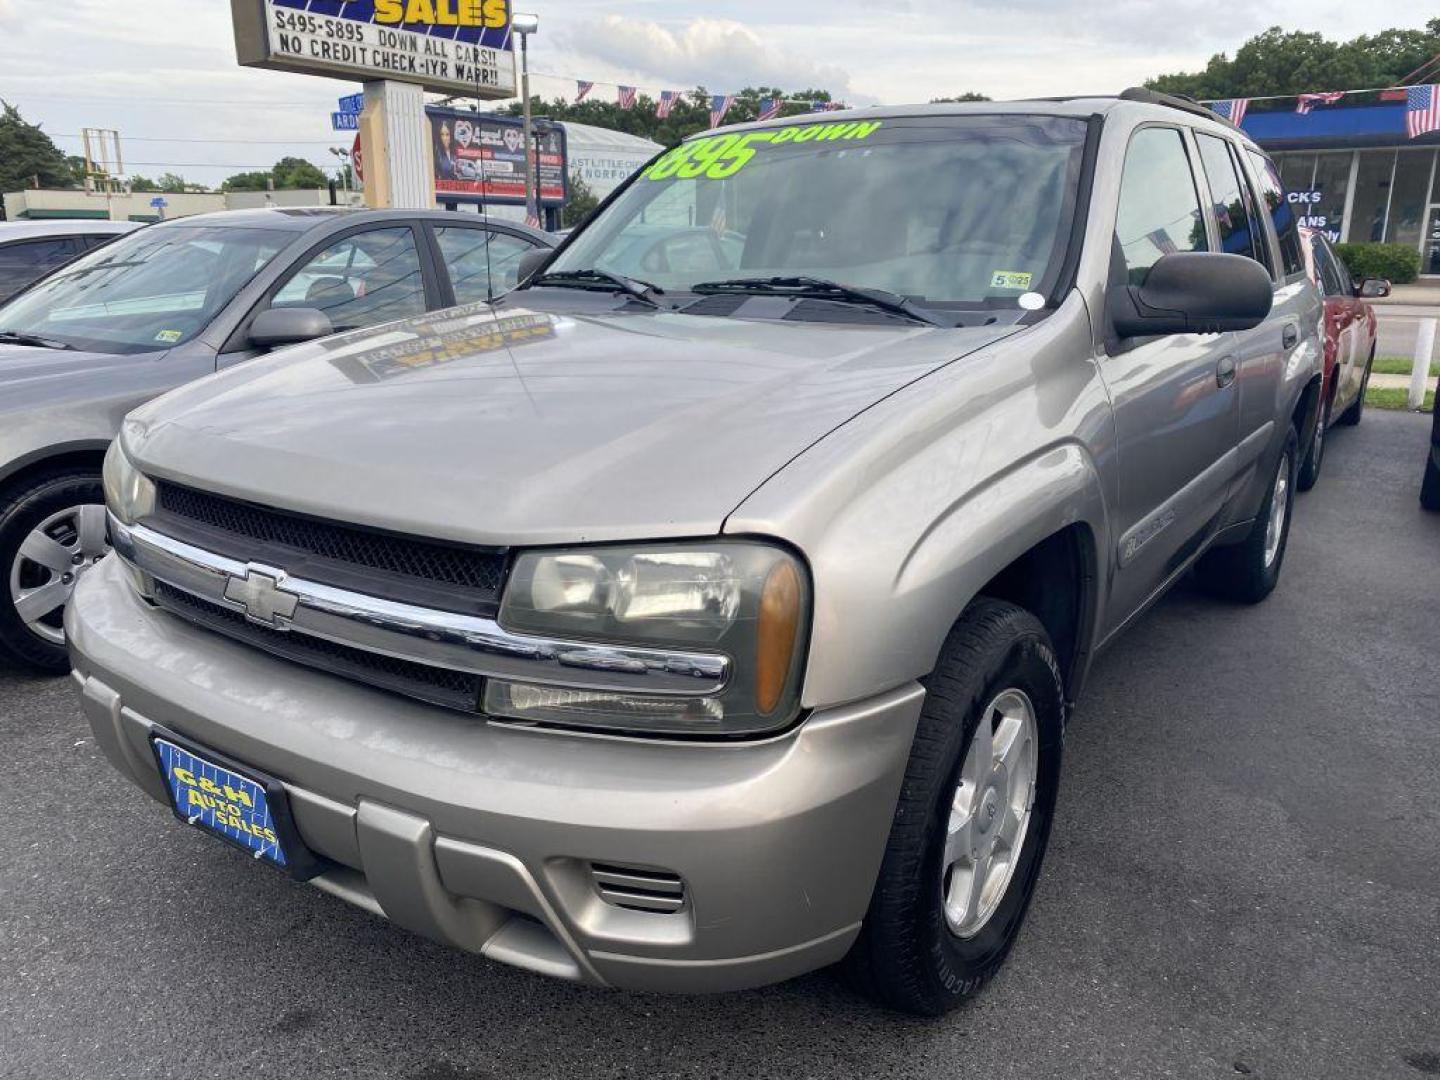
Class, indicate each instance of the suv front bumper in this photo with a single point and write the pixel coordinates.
(486, 836)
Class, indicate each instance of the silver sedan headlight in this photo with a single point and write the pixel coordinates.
(129, 493)
(744, 600)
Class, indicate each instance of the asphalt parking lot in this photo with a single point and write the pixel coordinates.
(1244, 880)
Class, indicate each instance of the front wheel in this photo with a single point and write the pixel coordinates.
(1248, 571)
(50, 534)
(973, 816)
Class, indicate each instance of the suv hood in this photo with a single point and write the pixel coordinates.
(530, 427)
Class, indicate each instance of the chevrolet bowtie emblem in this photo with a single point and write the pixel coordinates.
(264, 599)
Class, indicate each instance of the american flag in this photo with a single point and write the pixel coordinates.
(826, 106)
(627, 97)
(1422, 110)
(1305, 102)
(666, 103)
(770, 108)
(719, 106)
(1232, 109)
(582, 90)
(533, 220)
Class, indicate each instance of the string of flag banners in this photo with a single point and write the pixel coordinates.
(720, 104)
(1422, 105)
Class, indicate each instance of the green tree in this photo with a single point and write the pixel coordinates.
(968, 95)
(28, 157)
(292, 172)
(690, 114)
(173, 184)
(248, 181)
(143, 184)
(581, 202)
(288, 173)
(1281, 62)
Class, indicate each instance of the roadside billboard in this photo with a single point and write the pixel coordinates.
(447, 46)
(481, 158)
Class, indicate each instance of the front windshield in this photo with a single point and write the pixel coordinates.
(947, 211)
(153, 289)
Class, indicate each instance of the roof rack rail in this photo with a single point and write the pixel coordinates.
(1183, 102)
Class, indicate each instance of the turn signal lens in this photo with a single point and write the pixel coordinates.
(778, 625)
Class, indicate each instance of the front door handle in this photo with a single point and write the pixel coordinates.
(1290, 335)
(1225, 371)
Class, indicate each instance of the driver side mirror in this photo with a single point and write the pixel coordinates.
(1193, 292)
(531, 261)
(1372, 288)
(275, 327)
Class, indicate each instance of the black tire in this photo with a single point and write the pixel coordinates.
(1240, 572)
(1309, 471)
(1351, 416)
(906, 957)
(22, 512)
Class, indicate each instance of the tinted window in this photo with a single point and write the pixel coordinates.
(1159, 211)
(20, 264)
(1229, 208)
(363, 280)
(1272, 195)
(482, 264)
(153, 289)
(1332, 277)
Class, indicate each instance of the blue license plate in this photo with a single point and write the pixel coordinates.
(221, 800)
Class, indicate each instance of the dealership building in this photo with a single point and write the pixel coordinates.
(1360, 176)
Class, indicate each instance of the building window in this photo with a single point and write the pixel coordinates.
(1372, 196)
(1408, 201)
(1332, 180)
(1297, 171)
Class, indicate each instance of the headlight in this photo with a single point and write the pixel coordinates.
(748, 601)
(129, 493)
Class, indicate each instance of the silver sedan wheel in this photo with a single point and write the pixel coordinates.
(990, 813)
(50, 560)
(1279, 508)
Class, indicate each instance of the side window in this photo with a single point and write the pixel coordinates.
(1159, 211)
(1332, 277)
(363, 280)
(22, 263)
(481, 263)
(1272, 197)
(1231, 217)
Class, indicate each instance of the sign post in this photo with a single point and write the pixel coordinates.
(399, 49)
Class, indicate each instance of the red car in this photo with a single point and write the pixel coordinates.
(1349, 345)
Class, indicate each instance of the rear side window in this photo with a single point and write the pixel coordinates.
(481, 264)
(1159, 211)
(1272, 197)
(1229, 209)
(22, 263)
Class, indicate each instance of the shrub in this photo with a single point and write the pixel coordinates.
(1398, 263)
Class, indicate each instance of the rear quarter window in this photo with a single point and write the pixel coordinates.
(1282, 215)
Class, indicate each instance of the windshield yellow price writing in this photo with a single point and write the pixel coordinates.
(720, 156)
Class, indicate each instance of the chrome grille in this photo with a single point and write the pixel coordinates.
(440, 686)
(247, 531)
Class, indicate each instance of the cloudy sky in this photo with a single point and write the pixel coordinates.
(163, 71)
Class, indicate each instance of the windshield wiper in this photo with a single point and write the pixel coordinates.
(603, 279)
(15, 337)
(822, 289)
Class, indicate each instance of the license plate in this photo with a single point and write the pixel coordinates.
(230, 804)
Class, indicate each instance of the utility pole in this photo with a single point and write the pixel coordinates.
(525, 25)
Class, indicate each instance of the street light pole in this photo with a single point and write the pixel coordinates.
(525, 25)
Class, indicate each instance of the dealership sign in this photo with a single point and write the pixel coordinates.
(448, 46)
(481, 158)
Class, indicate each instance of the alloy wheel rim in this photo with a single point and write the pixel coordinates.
(50, 560)
(990, 812)
(1279, 508)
